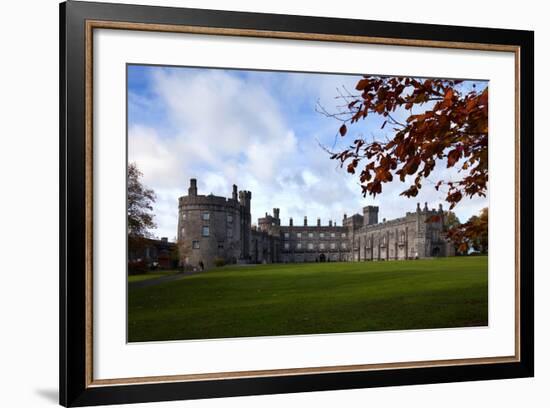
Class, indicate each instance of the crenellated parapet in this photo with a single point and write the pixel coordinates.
(208, 200)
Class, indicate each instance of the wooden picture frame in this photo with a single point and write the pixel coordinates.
(78, 20)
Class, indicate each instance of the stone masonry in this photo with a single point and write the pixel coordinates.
(214, 229)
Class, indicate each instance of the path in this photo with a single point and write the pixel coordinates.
(157, 281)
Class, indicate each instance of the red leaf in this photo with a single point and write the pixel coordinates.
(362, 84)
(343, 130)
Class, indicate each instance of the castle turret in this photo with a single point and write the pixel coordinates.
(234, 196)
(246, 223)
(276, 216)
(370, 215)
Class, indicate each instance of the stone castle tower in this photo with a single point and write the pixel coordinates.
(211, 227)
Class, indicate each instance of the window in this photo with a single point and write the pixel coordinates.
(402, 237)
(205, 231)
(287, 245)
(321, 246)
(298, 235)
(310, 235)
(286, 235)
(343, 245)
(184, 216)
(332, 245)
(298, 246)
(322, 235)
(343, 234)
(310, 246)
(220, 244)
(332, 234)
(230, 233)
(229, 218)
(182, 232)
(206, 216)
(196, 245)
(435, 235)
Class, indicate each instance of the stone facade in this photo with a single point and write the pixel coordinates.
(213, 229)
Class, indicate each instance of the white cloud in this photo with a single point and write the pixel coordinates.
(224, 129)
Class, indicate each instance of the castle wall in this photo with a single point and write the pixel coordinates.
(213, 228)
(264, 248)
(315, 244)
(417, 235)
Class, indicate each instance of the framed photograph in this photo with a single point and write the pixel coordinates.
(256, 204)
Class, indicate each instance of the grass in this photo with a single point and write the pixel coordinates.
(149, 275)
(290, 299)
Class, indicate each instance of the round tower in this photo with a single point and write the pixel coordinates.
(209, 229)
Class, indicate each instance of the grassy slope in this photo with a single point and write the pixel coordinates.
(313, 298)
(150, 275)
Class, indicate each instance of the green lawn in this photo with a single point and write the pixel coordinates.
(277, 299)
(149, 275)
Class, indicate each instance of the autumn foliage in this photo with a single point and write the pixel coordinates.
(441, 122)
(473, 235)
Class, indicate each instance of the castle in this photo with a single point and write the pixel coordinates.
(216, 230)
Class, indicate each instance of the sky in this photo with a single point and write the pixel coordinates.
(261, 131)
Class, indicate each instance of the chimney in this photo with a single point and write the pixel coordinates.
(305, 220)
(276, 213)
(193, 187)
(417, 207)
(290, 222)
(425, 206)
(330, 223)
(318, 221)
(235, 192)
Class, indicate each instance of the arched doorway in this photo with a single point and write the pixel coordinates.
(322, 258)
(435, 251)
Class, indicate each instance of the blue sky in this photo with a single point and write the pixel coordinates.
(259, 130)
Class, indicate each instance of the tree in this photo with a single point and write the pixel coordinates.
(472, 235)
(441, 122)
(450, 220)
(140, 206)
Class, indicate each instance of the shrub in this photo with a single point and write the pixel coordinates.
(137, 267)
(219, 261)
